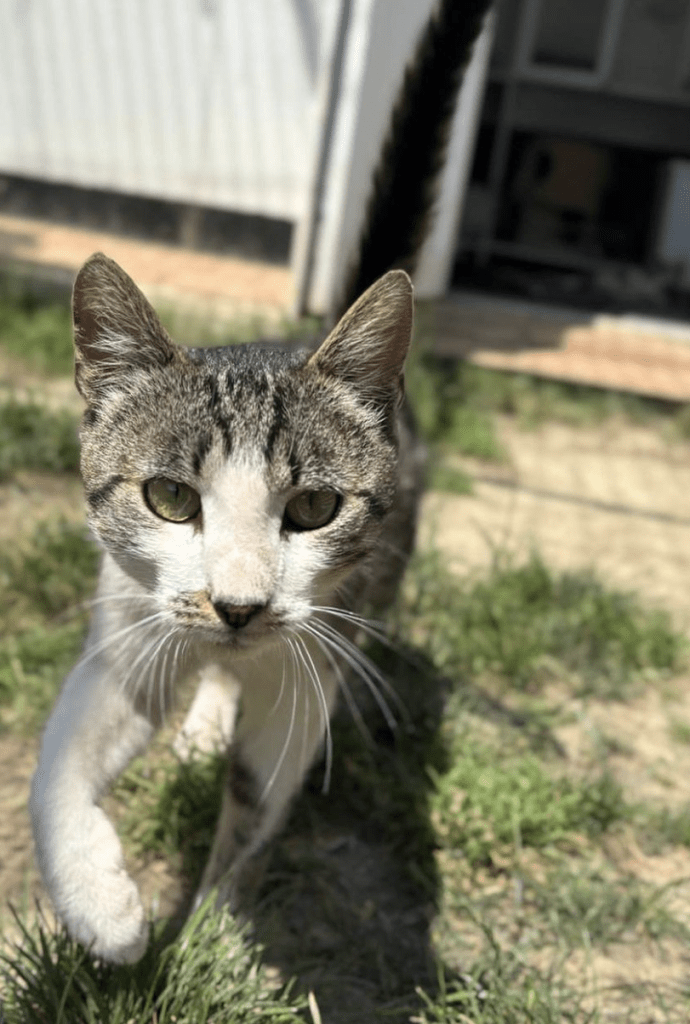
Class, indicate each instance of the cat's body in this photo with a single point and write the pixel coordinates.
(249, 503)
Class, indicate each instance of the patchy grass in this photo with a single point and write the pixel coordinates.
(31, 437)
(527, 624)
(486, 807)
(447, 420)
(461, 868)
(451, 479)
(439, 388)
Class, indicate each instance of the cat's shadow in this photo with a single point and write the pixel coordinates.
(352, 884)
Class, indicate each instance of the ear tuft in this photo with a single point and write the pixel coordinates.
(368, 346)
(115, 328)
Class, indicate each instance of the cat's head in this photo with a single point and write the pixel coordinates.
(238, 486)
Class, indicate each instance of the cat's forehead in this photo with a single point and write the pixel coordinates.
(245, 405)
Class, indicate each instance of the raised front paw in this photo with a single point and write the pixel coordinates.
(114, 926)
(92, 893)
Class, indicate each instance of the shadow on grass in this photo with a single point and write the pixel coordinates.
(352, 885)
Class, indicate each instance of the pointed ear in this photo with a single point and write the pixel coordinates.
(367, 348)
(115, 328)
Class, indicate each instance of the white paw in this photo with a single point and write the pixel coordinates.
(210, 720)
(92, 892)
(115, 926)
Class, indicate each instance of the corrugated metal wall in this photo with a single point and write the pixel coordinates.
(213, 102)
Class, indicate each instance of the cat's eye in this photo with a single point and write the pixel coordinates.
(171, 500)
(310, 510)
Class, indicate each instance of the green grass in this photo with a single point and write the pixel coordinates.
(487, 807)
(31, 437)
(527, 624)
(450, 479)
(208, 973)
(36, 330)
(500, 989)
(170, 809)
(585, 908)
(42, 584)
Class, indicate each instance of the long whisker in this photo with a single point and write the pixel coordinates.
(371, 627)
(346, 691)
(363, 667)
(308, 662)
(279, 763)
(114, 638)
(280, 692)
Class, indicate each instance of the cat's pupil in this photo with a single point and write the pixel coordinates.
(311, 509)
(171, 500)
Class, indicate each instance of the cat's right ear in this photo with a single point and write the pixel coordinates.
(115, 329)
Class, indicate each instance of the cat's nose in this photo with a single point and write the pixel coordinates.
(236, 615)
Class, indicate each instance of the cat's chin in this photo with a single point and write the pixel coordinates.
(245, 641)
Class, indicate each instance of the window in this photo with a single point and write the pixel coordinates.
(571, 42)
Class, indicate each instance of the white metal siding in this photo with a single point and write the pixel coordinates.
(205, 101)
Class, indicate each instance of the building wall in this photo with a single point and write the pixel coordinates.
(213, 102)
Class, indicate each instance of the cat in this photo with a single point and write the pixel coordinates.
(245, 500)
(249, 501)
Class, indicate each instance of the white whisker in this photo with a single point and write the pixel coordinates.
(308, 662)
(113, 638)
(362, 667)
(279, 763)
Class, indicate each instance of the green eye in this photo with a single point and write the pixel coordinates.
(311, 509)
(176, 502)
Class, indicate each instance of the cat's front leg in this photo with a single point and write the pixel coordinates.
(287, 697)
(92, 733)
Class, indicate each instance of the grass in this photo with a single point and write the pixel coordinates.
(33, 438)
(42, 584)
(440, 388)
(209, 973)
(35, 329)
(526, 625)
(169, 809)
(486, 807)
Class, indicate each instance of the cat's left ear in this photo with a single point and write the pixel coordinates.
(115, 329)
(368, 346)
